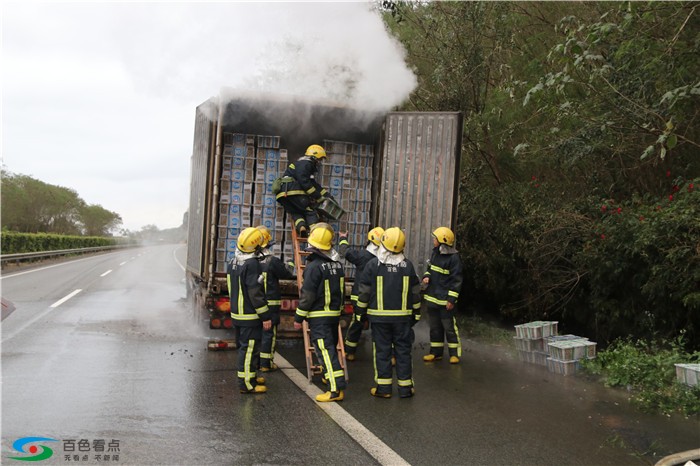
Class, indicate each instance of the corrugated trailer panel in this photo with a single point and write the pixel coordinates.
(200, 196)
(420, 166)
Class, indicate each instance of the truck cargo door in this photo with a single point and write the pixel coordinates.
(417, 186)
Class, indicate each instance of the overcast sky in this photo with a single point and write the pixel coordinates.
(100, 97)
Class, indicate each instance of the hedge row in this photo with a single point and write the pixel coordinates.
(15, 243)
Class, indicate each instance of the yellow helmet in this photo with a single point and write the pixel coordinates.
(266, 235)
(375, 235)
(394, 239)
(316, 151)
(444, 236)
(321, 236)
(250, 239)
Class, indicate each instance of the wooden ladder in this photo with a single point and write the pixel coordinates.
(313, 367)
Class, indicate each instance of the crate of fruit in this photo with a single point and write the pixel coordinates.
(536, 329)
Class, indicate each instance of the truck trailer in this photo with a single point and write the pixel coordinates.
(384, 169)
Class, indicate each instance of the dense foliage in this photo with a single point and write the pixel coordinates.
(578, 195)
(32, 206)
(648, 371)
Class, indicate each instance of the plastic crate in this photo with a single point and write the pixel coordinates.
(688, 374)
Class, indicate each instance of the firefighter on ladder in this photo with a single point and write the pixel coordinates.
(249, 309)
(390, 295)
(299, 192)
(444, 280)
(273, 269)
(321, 299)
(359, 258)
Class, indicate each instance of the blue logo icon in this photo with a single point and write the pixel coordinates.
(40, 452)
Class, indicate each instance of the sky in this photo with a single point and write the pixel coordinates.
(100, 97)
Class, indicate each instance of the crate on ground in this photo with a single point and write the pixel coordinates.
(533, 357)
(536, 329)
(562, 367)
(529, 344)
(688, 374)
(555, 338)
(572, 350)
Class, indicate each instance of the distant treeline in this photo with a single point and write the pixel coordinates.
(32, 206)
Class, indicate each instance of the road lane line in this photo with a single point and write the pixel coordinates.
(175, 257)
(367, 440)
(7, 336)
(43, 268)
(123, 263)
(65, 298)
(106, 273)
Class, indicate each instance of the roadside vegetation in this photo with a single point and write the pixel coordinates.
(579, 172)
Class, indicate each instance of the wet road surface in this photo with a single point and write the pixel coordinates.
(122, 361)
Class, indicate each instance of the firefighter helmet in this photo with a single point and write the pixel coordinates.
(321, 236)
(375, 235)
(394, 239)
(249, 240)
(267, 237)
(316, 151)
(444, 236)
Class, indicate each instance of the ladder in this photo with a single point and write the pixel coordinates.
(313, 367)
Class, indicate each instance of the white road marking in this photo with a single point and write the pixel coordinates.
(43, 268)
(367, 440)
(65, 298)
(123, 263)
(106, 273)
(175, 257)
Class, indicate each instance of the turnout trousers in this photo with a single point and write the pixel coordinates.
(269, 339)
(354, 332)
(248, 355)
(325, 340)
(299, 207)
(443, 326)
(400, 336)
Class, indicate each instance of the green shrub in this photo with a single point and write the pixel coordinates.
(15, 243)
(648, 371)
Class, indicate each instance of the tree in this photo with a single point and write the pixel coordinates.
(98, 221)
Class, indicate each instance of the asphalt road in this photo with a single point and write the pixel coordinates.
(120, 365)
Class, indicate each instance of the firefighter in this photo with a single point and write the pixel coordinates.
(299, 192)
(320, 302)
(249, 309)
(273, 269)
(444, 282)
(359, 258)
(390, 295)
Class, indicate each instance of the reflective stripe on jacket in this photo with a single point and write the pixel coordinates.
(303, 183)
(389, 292)
(445, 272)
(323, 291)
(248, 303)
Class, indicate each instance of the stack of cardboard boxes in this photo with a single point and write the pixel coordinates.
(251, 163)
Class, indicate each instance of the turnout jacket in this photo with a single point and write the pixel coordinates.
(273, 269)
(359, 258)
(248, 303)
(445, 272)
(298, 179)
(390, 292)
(322, 294)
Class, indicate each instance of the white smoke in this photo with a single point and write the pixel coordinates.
(338, 52)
